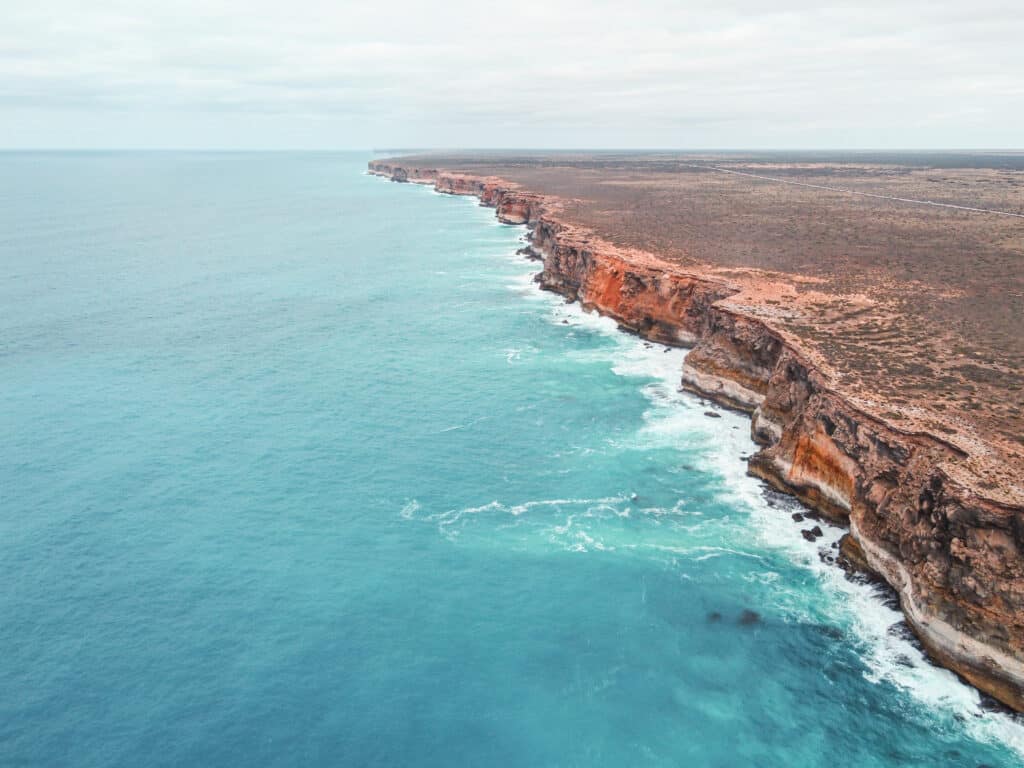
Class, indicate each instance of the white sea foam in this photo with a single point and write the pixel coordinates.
(577, 538)
(524, 286)
(467, 425)
(514, 354)
(677, 419)
(591, 505)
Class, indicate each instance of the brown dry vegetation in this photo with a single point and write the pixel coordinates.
(917, 310)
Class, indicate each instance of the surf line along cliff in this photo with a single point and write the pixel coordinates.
(916, 519)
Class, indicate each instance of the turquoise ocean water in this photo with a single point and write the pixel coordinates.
(298, 468)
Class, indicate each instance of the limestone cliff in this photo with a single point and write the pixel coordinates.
(951, 551)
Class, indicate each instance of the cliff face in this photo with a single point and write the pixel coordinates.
(953, 555)
(643, 297)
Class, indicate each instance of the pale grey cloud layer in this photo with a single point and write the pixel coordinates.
(694, 73)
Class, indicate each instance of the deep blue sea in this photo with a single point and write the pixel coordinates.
(298, 468)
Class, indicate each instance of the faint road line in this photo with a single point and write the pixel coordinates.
(854, 191)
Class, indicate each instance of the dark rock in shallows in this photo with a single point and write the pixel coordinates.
(832, 632)
(816, 530)
(902, 630)
(712, 414)
(797, 517)
(749, 617)
(808, 535)
(890, 599)
(565, 322)
(988, 704)
(714, 617)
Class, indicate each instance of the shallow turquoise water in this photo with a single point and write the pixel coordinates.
(298, 468)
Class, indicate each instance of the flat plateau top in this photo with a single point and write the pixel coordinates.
(876, 261)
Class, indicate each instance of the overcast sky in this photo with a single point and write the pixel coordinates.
(691, 74)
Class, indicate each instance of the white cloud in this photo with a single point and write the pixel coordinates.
(274, 73)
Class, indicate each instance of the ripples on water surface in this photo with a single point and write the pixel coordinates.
(300, 469)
